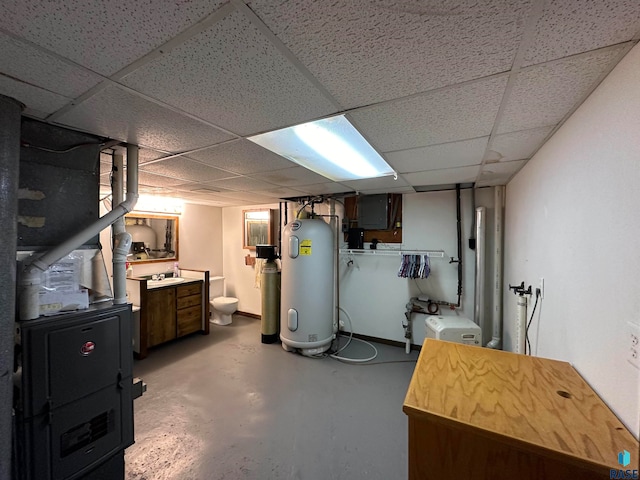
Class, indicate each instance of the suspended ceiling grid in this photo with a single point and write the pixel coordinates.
(448, 92)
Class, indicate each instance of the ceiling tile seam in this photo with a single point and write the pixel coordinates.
(441, 169)
(174, 109)
(437, 144)
(625, 44)
(577, 105)
(175, 41)
(528, 38)
(50, 53)
(433, 91)
(285, 52)
(525, 130)
(231, 174)
(186, 153)
(213, 182)
(78, 100)
(16, 79)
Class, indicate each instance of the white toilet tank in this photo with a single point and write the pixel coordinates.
(216, 287)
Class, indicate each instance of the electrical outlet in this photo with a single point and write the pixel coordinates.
(633, 344)
(541, 287)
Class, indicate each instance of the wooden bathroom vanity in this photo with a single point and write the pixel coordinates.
(477, 413)
(170, 311)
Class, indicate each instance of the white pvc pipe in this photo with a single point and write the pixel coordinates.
(336, 276)
(31, 274)
(480, 234)
(121, 240)
(496, 340)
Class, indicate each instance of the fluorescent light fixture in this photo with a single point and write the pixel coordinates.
(331, 147)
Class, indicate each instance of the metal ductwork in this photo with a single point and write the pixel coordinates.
(10, 111)
(32, 272)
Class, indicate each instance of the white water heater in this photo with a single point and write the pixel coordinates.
(307, 308)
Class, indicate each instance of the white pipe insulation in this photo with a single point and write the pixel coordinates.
(496, 340)
(480, 234)
(31, 276)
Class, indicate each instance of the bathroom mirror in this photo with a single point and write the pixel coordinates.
(257, 228)
(154, 238)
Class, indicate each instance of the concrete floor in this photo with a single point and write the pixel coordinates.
(226, 406)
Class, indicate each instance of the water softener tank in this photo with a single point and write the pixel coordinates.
(270, 287)
(307, 308)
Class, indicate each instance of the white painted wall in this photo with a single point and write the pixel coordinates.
(572, 217)
(375, 297)
(240, 278)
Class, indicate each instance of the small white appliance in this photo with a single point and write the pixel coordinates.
(453, 329)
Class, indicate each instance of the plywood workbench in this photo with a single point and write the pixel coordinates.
(476, 413)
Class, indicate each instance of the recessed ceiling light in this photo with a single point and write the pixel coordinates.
(331, 147)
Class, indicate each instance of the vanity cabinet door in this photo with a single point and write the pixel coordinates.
(189, 308)
(161, 315)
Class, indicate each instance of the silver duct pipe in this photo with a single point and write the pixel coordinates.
(10, 111)
(480, 236)
(496, 340)
(33, 269)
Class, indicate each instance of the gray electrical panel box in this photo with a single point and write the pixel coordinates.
(373, 212)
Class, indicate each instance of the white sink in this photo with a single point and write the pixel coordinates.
(164, 282)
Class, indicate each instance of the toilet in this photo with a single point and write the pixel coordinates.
(222, 307)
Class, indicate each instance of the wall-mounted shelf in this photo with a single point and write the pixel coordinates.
(429, 253)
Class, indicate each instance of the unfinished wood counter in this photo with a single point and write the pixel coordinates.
(476, 413)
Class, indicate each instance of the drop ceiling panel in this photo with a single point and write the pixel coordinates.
(499, 173)
(182, 168)
(457, 113)
(103, 36)
(568, 27)
(242, 157)
(543, 94)
(325, 188)
(444, 176)
(152, 180)
(434, 157)
(30, 65)
(116, 113)
(232, 76)
(518, 145)
(279, 192)
(198, 188)
(292, 177)
(39, 102)
(146, 155)
(249, 197)
(241, 183)
(376, 183)
(366, 51)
